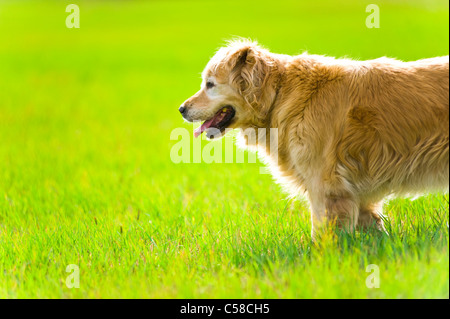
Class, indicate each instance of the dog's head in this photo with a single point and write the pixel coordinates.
(237, 91)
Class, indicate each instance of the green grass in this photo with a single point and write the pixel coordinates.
(86, 176)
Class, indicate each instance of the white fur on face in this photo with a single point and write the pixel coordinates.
(206, 102)
(215, 91)
(209, 100)
(218, 95)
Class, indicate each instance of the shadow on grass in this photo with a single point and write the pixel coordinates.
(411, 231)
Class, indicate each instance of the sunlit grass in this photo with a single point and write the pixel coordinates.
(86, 176)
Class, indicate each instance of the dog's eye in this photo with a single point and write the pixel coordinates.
(209, 84)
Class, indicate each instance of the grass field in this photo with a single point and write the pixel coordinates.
(86, 176)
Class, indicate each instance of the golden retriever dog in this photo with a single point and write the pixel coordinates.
(349, 133)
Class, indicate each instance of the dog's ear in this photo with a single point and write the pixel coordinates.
(248, 68)
(252, 73)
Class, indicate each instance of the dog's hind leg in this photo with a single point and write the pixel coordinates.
(342, 210)
(370, 217)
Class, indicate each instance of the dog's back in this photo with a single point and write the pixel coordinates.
(397, 126)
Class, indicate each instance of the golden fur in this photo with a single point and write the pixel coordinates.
(350, 132)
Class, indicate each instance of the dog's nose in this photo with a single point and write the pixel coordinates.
(182, 109)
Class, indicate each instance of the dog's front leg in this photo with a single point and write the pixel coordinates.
(318, 213)
(341, 210)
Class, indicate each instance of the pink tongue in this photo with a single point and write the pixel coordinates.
(207, 124)
(199, 130)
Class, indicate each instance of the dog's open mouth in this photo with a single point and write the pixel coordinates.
(219, 121)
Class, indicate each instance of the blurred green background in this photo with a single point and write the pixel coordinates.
(85, 170)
